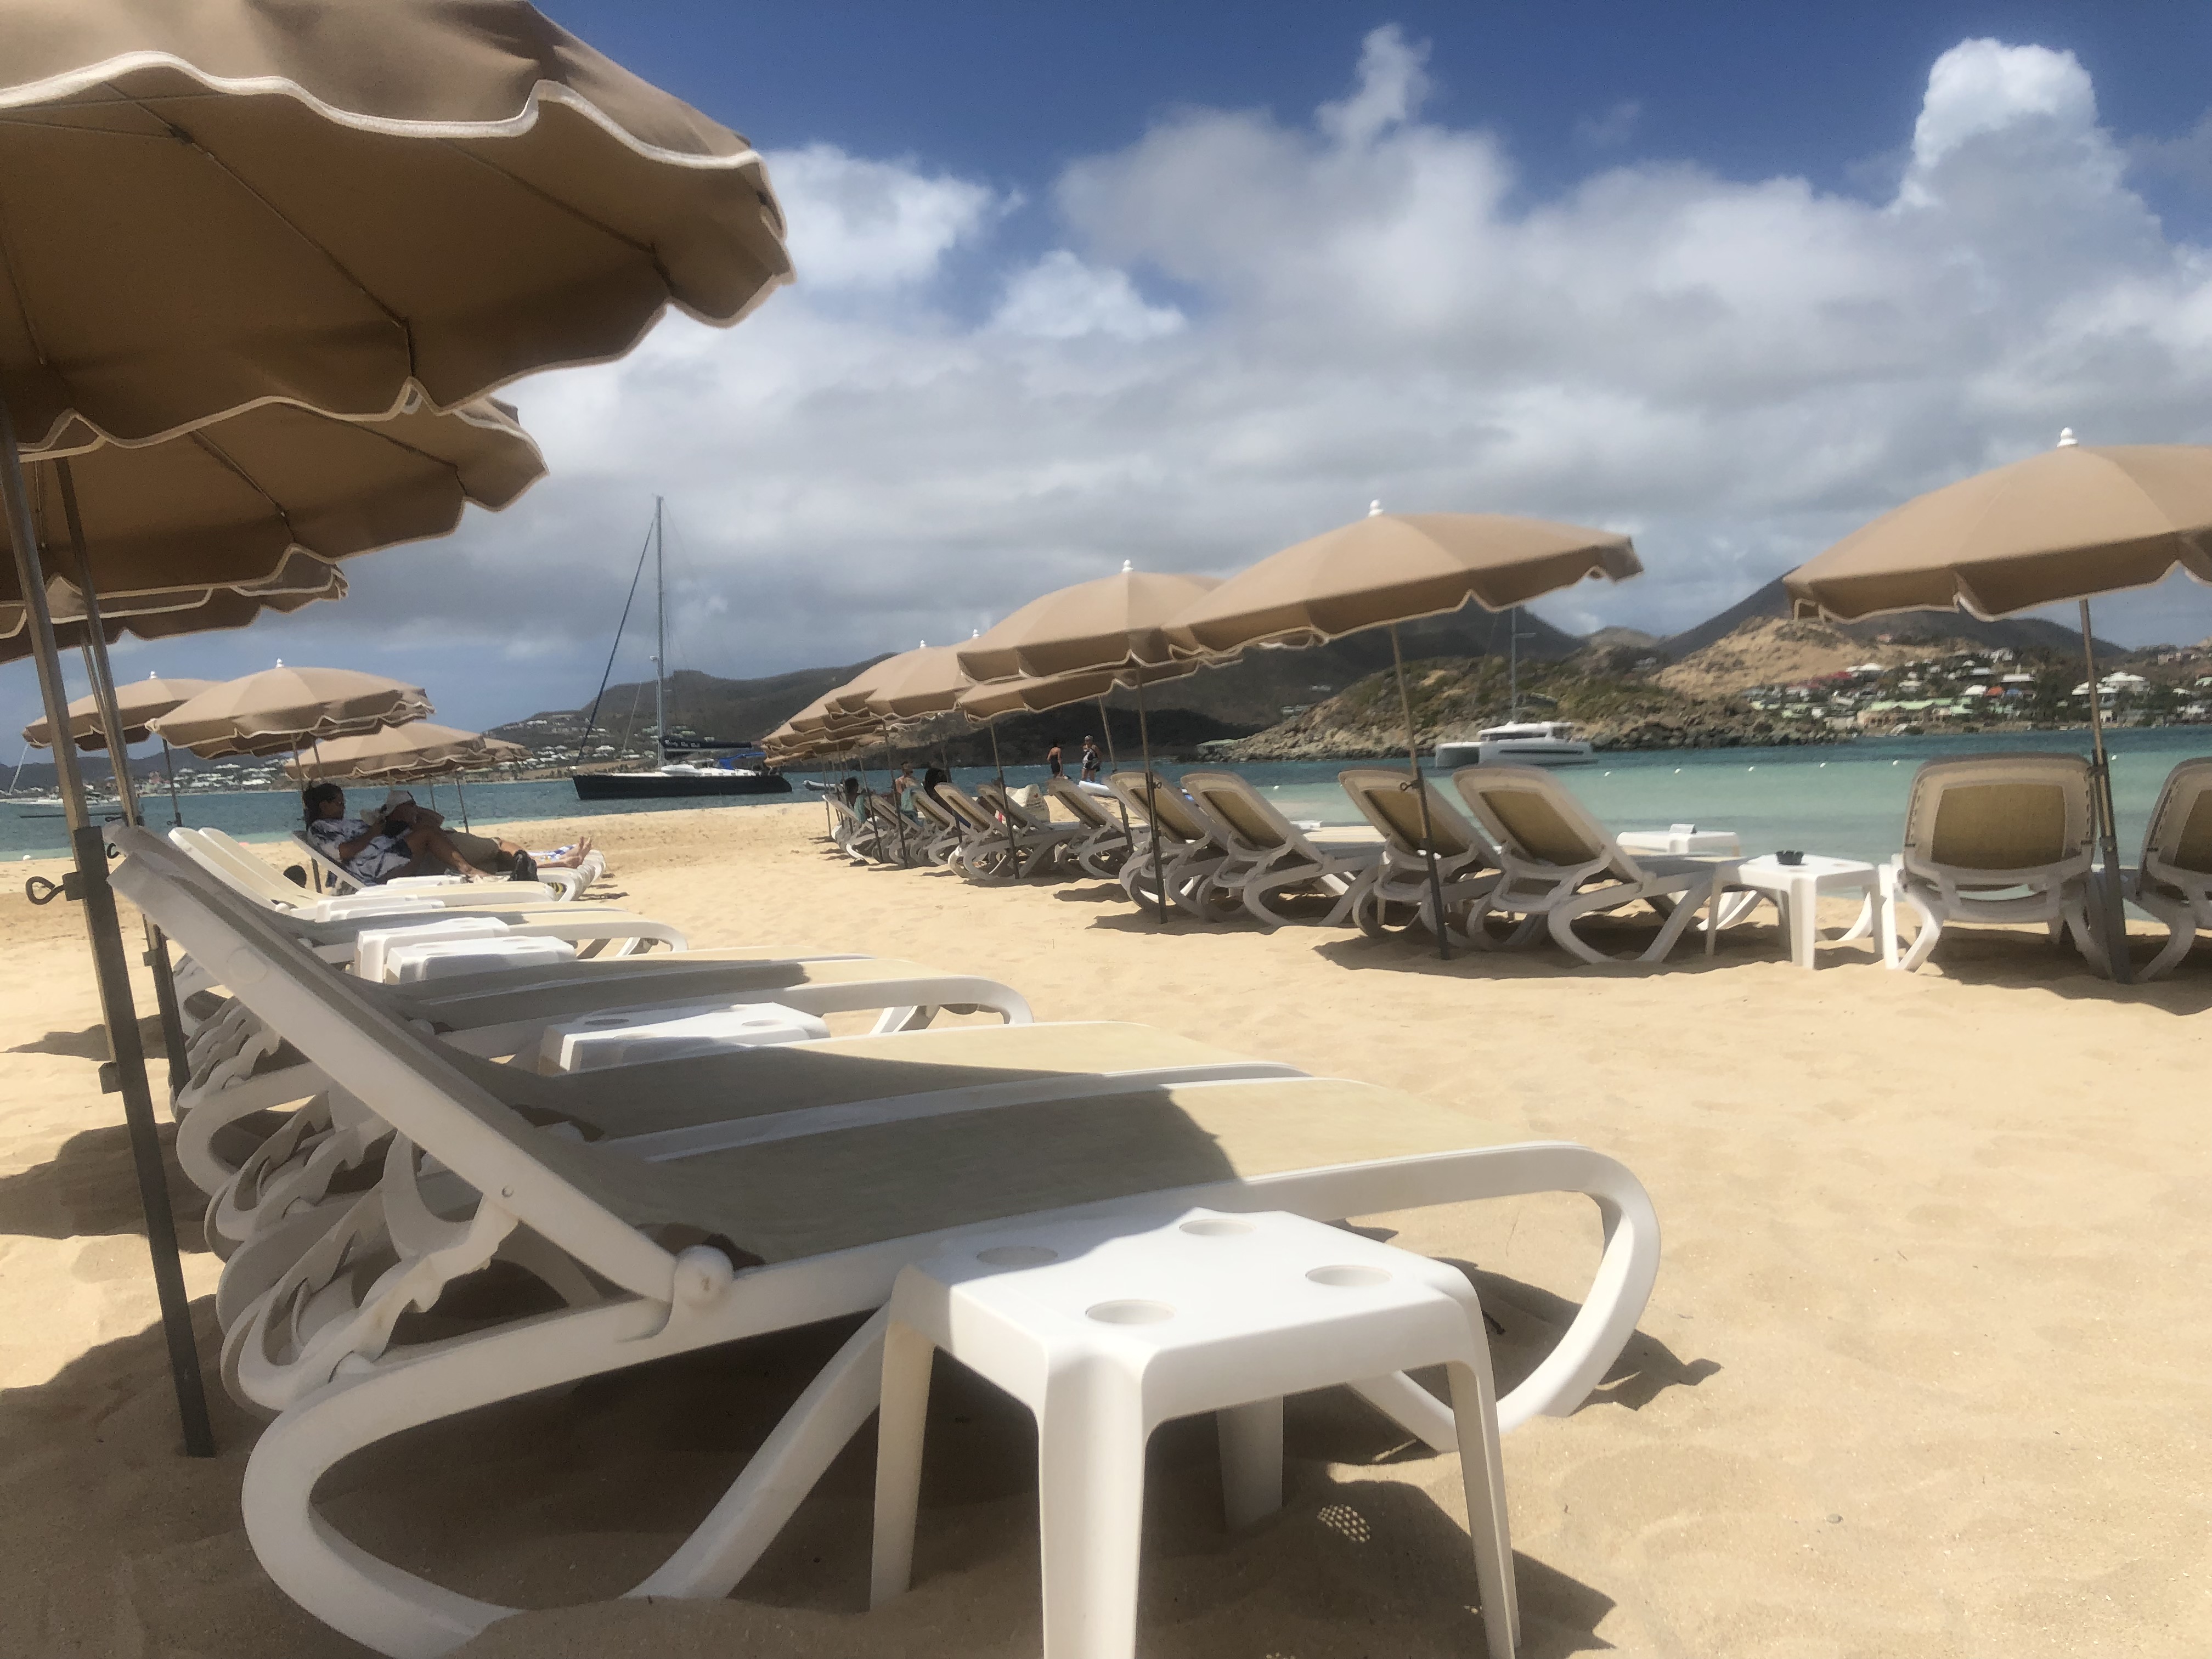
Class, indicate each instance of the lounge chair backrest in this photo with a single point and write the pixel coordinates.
(964, 806)
(1386, 798)
(1083, 805)
(1170, 809)
(2181, 832)
(935, 811)
(1531, 814)
(565, 1190)
(1002, 802)
(1227, 797)
(1999, 814)
(237, 868)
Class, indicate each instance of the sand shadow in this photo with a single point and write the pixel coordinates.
(91, 1042)
(87, 1188)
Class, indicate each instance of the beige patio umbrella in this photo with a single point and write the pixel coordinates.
(2072, 523)
(1110, 623)
(927, 680)
(214, 206)
(225, 505)
(1393, 568)
(416, 752)
(136, 701)
(282, 708)
(1094, 625)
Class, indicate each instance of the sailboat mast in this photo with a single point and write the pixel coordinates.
(661, 635)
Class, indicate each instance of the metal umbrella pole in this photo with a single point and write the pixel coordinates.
(1421, 790)
(169, 766)
(1152, 811)
(89, 885)
(102, 677)
(1006, 803)
(2111, 907)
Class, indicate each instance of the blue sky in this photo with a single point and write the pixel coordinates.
(1181, 284)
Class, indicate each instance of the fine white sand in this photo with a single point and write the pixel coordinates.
(1927, 1371)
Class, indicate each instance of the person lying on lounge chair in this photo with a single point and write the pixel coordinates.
(489, 854)
(406, 840)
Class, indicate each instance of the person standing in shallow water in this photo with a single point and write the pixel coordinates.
(1091, 760)
(1051, 762)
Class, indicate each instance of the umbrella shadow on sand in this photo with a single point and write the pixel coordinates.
(561, 1500)
(87, 1189)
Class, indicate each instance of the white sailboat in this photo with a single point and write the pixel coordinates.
(672, 779)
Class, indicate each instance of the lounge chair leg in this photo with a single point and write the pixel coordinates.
(907, 1356)
(1483, 1482)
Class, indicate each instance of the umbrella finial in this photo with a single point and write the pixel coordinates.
(2066, 438)
(1126, 566)
(1374, 509)
(280, 662)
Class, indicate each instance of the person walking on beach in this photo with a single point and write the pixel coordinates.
(1051, 762)
(1091, 760)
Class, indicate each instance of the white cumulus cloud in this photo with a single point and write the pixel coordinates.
(1242, 328)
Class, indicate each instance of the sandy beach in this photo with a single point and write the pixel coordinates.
(1926, 1372)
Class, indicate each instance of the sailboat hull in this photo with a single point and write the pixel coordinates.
(663, 786)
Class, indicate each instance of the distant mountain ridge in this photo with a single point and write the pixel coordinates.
(1261, 688)
(1905, 628)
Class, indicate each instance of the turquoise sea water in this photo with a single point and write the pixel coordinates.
(1847, 800)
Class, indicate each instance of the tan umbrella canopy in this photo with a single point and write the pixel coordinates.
(1396, 568)
(1393, 568)
(282, 708)
(1034, 693)
(136, 701)
(2069, 523)
(2072, 523)
(226, 504)
(417, 749)
(851, 697)
(215, 205)
(167, 616)
(925, 681)
(1094, 624)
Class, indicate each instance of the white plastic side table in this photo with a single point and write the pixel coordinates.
(1107, 1327)
(1795, 889)
(599, 1041)
(1679, 840)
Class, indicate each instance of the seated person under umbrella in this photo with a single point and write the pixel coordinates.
(408, 840)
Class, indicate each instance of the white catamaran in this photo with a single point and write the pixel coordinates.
(1518, 742)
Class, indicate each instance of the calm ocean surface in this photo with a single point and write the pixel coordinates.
(1847, 800)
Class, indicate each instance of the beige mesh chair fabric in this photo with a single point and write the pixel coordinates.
(2174, 880)
(1272, 861)
(1558, 862)
(691, 1235)
(1467, 868)
(1995, 840)
(424, 193)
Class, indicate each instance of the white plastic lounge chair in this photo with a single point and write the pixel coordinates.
(1270, 858)
(1559, 862)
(1104, 843)
(337, 881)
(1995, 840)
(238, 863)
(1000, 842)
(668, 1240)
(1467, 866)
(940, 829)
(1044, 840)
(1189, 846)
(2174, 880)
(242, 1069)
